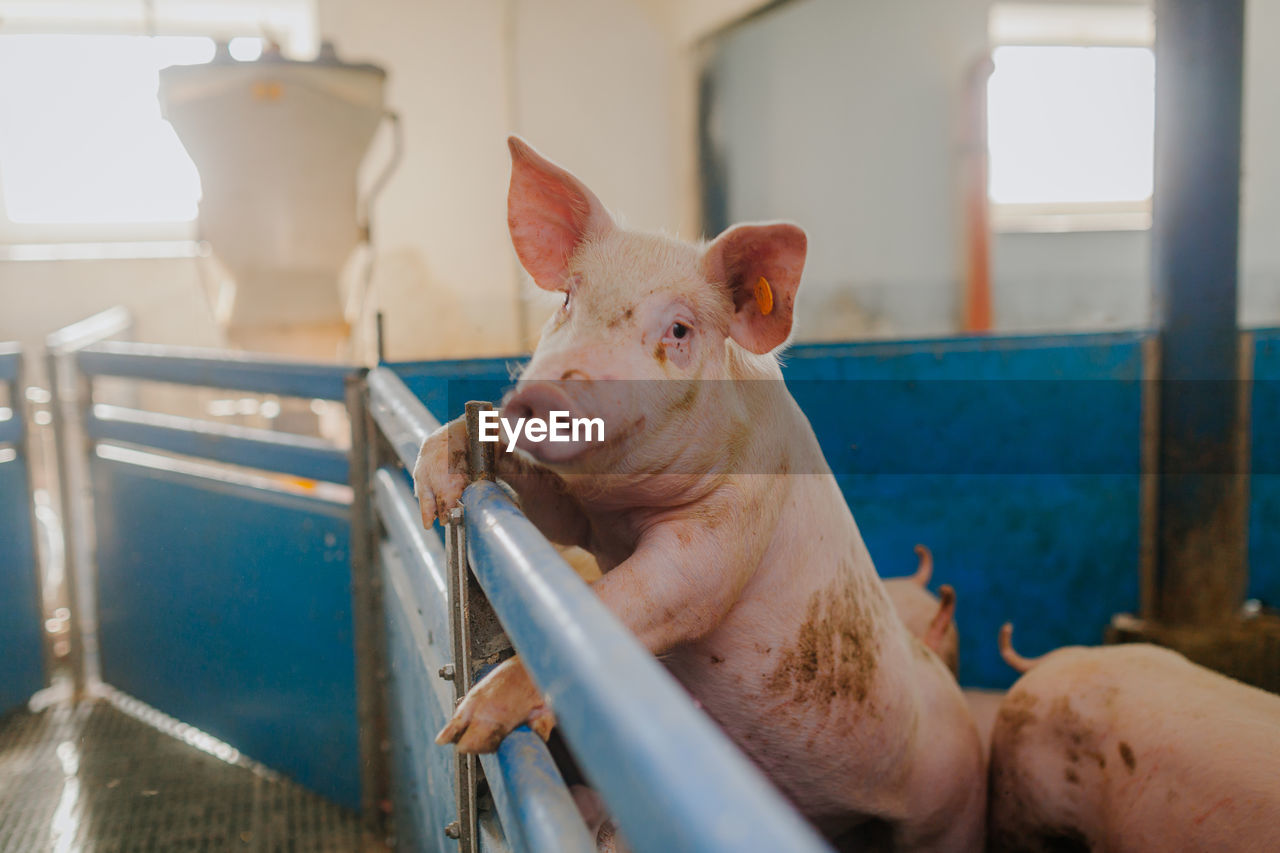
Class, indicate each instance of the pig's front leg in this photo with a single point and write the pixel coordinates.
(673, 590)
(498, 704)
(440, 476)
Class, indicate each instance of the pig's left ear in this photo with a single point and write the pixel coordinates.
(760, 265)
(551, 214)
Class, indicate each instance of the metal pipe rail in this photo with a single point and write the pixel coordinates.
(403, 419)
(69, 391)
(215, 369)
(669, 776)
(285, 453)
(535, 809)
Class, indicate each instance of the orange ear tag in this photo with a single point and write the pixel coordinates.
(764, 296)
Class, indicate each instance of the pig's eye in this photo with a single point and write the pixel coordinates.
(680, 331)
(566, 300)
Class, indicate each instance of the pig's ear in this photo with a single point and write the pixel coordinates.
(760, 265)
(550, 214)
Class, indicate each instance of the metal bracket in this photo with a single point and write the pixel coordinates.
(476, 636)
(464, 766)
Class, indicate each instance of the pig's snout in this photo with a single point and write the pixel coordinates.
(547, 423)
(536, 400)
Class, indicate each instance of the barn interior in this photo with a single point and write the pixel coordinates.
(254, 252)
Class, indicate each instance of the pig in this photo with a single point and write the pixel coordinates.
(725, 544)
(930, 618)
(984, 705)
(1132, 748)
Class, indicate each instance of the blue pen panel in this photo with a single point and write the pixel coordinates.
(1016, 460)
(1264, 486)
(229, 607)
(444, 387)
(422, 791)
(21, 658)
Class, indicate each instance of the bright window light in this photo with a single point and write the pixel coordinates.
(1071, 125)
(245, 48)
(81, 137)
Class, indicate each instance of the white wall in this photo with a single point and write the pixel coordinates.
(843, 116)
(1260, 190)
(165, 296)
(591, 84)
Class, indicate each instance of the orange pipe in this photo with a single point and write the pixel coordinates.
(976, 302)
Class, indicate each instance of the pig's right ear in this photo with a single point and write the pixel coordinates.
(550, 213)
(760, 267)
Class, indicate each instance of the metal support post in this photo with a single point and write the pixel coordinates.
(368, 615)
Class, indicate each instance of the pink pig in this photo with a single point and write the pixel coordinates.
(930, 618)
(726, 545)
(1131, 749)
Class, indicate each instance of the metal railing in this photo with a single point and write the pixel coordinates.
(669, 776)
(268, 450)
(68, 393)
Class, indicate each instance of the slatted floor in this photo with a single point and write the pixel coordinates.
(92, 778)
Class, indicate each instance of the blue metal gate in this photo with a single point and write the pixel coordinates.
(224, 594)
(21, 635)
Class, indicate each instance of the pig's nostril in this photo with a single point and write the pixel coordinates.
(516, 411)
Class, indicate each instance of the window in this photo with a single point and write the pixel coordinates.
(81, 137)
(1071, 118)
(86, 159)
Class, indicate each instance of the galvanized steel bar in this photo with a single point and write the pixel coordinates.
(670, 777)
(91, 330)
(481, 460)
(215, 369)
(68, 388)
(368, 618)
(403, 419)
(538, 813)
(71, 393)
(465, 770)
(1201, 516)
(300, 455)
(418, 546)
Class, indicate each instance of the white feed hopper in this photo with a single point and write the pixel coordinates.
(278, 143)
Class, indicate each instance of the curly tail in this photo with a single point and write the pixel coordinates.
(1007, 652)
(942, 619)
(924, 568)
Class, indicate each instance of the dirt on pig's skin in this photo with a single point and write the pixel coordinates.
(835, 654)
(1133, 748)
